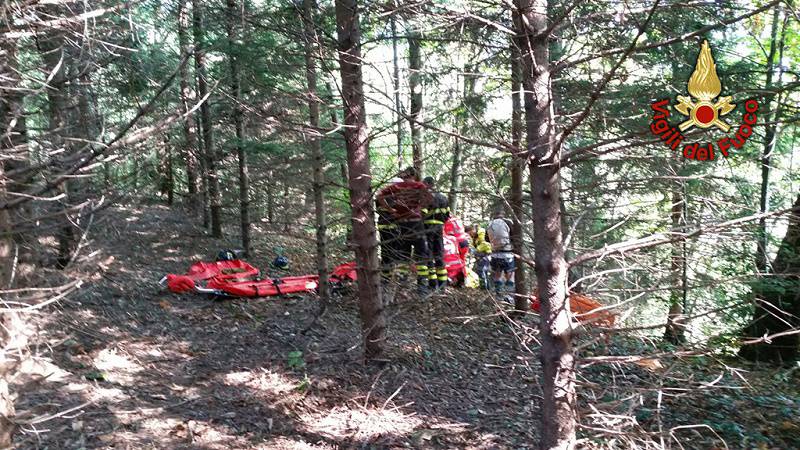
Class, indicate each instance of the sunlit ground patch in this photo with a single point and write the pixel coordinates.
(362, 424)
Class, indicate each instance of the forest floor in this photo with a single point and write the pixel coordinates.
(126, 365)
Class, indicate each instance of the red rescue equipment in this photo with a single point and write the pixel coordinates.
(233, 270)
(266, 288)
(237, 278)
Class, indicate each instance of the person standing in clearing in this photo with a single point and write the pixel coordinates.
(498, 233)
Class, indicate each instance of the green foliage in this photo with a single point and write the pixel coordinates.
(295, 360)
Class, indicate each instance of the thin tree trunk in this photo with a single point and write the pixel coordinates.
(57, 61)
(236, 95)
(190, 151)
(270, 199)
(517, 174)
(675, 329)
(455, 176)
(762, 249)
(312, 49)
(169, 176)
(214, 199)
(558, 361)
(286, 204)
(462, 124)
(415, 86)
(373, 323)
(396, 85)
(7, 410)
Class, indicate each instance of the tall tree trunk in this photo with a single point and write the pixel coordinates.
(270, 198)
(57, 62)
(777, 301)
(190, 151)
(312, 50)
(455, 175)
(13, 134)
(169, 175)
(415, 86)
(675, 329)
(214, 199)
(517, 174)
(287, 202)
(396, 85)
(373, 323)
(762, 249)
(236, 96)
(558, 362)
(462, 125)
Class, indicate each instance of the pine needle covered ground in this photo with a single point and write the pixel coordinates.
(124, 364)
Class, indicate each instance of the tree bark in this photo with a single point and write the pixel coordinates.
(762, 250)
(777, 302)
(517, 174)
(455, 175)
(312, 50)
(415, 86)
(169, 173)
(270, 198)
(558, 362)
(190, 150)
(57, 61)
(214, 199)
(462, 125)
(13, 133)
(373, 324)
(236, 96)
(396, 84)
(675, 329)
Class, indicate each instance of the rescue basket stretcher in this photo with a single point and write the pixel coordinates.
(237, 278)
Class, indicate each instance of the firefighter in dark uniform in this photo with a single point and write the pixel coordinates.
(404, 203)
(389, 238)
(433, 219)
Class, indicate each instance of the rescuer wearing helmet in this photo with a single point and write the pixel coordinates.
(434, 217)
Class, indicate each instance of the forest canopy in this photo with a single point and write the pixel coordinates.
(640, 152)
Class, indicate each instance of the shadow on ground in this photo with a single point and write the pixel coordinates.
(158, 370)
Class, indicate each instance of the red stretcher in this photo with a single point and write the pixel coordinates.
(238, 278)
(230, 271)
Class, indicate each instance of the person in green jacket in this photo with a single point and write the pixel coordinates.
(481, 249)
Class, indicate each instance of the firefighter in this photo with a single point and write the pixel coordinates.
(389, 239)
(403, 202)
(502, 261)
(434, 218)
(481, 249)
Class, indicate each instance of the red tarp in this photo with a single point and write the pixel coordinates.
(583, 308)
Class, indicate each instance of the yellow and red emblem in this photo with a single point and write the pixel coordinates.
(704, 86)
